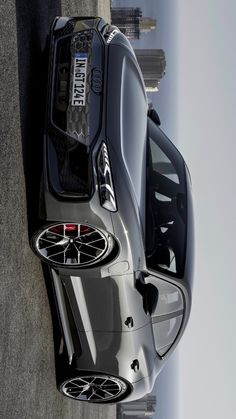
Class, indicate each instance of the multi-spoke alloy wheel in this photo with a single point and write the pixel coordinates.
(72, 244)
(95, 388)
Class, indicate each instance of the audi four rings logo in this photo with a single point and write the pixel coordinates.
(96, 80)
(112, 34)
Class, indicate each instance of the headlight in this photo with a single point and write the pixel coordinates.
(109, 32)
(106, 188)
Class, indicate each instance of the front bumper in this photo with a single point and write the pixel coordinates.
(71, 182)
(72, 130)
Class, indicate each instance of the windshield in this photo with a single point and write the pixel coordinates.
(166, 207)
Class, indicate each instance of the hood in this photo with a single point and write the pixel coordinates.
(127, 115)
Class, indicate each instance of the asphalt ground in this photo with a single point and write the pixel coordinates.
(27, 368)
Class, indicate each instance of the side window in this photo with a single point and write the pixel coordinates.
(170, 298)
(165, 333)
(168, 316)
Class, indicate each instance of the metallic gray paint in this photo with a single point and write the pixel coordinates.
(100, 307)
(103, 297)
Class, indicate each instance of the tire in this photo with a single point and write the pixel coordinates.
(95, 387)
(72, 244)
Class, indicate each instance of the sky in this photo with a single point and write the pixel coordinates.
(197, 106)
(206, 105)
(164, 37)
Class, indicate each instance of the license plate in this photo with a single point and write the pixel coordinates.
(79, 79)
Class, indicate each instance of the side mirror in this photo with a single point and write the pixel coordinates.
(150, 299)
(152, 113)
(150, 295)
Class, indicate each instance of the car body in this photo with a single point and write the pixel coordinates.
(116, 214)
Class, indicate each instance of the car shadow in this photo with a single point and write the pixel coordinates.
(33, 19)
(54, 315)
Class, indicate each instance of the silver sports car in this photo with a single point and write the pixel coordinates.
(116, 224)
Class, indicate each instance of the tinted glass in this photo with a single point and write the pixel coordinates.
(168, 315)
(165, 333)
(170, 299)
(166, 211)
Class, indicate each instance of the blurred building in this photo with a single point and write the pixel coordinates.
(147, 24)
(139, 409)
(131, 22)
(153, 64)
(127, 19)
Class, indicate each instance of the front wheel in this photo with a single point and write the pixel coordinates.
(95, 388)
(72, 244)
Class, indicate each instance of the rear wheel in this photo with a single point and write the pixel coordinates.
(72, 244)
(95, 388)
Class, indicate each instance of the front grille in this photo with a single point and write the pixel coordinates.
(61, 83)
(78, 116)
(72, 161)
(71, 119)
